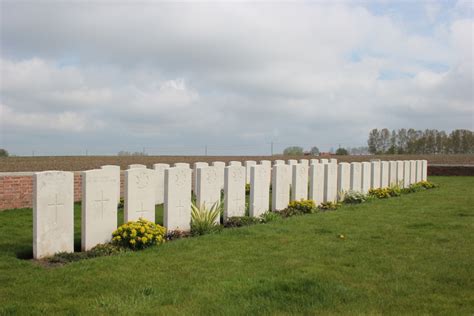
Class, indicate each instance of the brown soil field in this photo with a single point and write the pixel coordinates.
(78, 163)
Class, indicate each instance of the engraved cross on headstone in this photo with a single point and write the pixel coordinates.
(55, 204)
(101, 201)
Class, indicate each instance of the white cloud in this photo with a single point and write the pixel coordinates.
(229, 73)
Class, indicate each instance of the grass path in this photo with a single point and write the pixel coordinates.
(406, 255)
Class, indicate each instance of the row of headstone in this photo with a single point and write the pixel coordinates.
(53, 208)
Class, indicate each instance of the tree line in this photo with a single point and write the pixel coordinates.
(429, 141)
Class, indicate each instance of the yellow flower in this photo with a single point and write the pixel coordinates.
(142, 230)
(132, 241)
(144, 240)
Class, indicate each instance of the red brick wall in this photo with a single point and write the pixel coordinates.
(16, 189)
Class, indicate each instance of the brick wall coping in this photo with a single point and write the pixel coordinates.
(31, 173)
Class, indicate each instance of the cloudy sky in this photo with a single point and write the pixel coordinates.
(105, 76)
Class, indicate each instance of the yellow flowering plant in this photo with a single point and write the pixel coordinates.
(139, 234)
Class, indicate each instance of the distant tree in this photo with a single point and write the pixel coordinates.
(293, 151)
(342, 152)
(3, 152)
(314, 151)
(372, 141)
(429, 141)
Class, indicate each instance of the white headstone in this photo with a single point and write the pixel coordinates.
(424, 172)
(299, 183)
(200, 164)
(400, 173)
(365, 175)
(160, 182)
(280, 186)
(412, 171)
(136, 165)
(209, 192)
(140, 188)
(316, 183)
(267, 164)
(278, 162)
(406, 173)
(219, 166)
(292, 162)
(116, 170)
(304, 162)
(392, 173)
(248, 165)
(323, 160)
(419, 170)
(356, 177)
(330, 182)
(99, 207)
(313, 161)
(235, 163)
(375, 174)
(384, 173)
(177, 208)
(333, 160)
(194, 175)
(234, 191)
(53, 213)
(259, 191)
(182, 165)
(343, 179)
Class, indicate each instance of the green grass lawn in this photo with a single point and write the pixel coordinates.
(408, 255)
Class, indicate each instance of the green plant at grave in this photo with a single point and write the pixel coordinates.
(380, 193)
(139, 234)
(355, 197)
(203, 220)
(298, 208)
(101, 250)
(384, 193)
(419, 186)
(269, 217)
(239, 221)
(329, 206)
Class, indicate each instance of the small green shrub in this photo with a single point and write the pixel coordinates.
(239, 221)
(247, 189)
(427, 184)
(138, 235)
(269, 217)
(101, 250)
(329, 206)
(384, 193)
(354, 197)
(298, 208)
(203, 220)
(419, 186)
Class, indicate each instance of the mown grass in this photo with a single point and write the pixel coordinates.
(406, 255)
